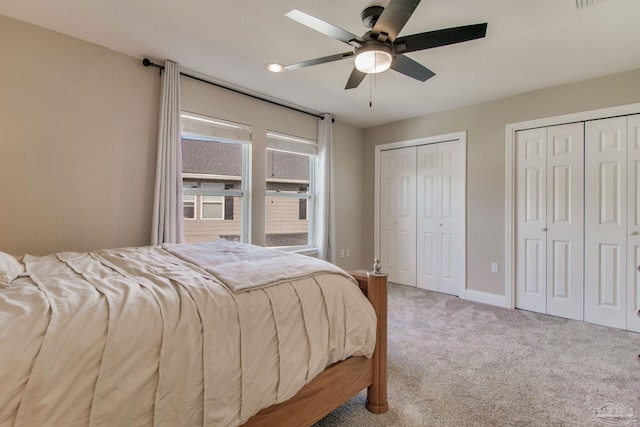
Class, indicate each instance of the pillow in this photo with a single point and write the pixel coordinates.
(10, 268)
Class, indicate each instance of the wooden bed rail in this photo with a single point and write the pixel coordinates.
(342, 380)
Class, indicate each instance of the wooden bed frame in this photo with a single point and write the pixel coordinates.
(342, 380)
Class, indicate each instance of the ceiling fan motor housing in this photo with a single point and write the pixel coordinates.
(370, 15)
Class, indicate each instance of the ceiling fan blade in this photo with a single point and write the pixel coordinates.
(393, 18)
(317, 61)
(322, 26)
(437, 38)
(409, 67)
(355, 78)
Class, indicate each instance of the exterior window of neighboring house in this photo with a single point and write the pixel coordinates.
(189, 204)
(302, 205)
(215, 179)
(212, 207)
(290, 195)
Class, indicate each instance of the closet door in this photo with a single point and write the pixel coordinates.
(531, 224)
(565, 220)
(406, 204)
(606, 221)
(388, 213)
(549, 229)
(427, 216)
(633, 223)
(440, 176)
(398, 214)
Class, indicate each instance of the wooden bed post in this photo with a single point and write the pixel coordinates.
(377, 295)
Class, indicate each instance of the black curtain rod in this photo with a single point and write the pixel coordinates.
(148, 63)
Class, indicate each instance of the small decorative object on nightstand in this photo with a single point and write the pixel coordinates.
(376, 266)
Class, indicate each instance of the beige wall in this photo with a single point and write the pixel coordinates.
(485, 124)
(348, 162)
(78, 125)
(77, 151)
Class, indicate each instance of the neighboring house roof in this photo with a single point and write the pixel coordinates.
(215, 158)
(287, 166)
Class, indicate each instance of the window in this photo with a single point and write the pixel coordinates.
(212, 207)
(189, 204)
(302, 205)
(290, 164)
(215, 179)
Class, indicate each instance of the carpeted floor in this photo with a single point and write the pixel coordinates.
(458, 363)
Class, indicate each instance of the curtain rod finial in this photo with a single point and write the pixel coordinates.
(147, 62)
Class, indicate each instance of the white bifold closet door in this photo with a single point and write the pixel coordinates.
(422, 216)
(549, 226)
(633, 223)
(398, 214)
(612, 222)
(440, 172)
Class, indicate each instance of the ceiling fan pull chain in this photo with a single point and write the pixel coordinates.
(371, 82)
(371, 90)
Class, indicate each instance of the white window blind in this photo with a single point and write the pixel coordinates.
(198, 127)
(291, 144)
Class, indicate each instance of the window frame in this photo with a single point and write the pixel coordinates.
(194, 201)
(288, 143)
(211, 129)
(220, 202)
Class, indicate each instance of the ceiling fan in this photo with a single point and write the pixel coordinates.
(380, 48)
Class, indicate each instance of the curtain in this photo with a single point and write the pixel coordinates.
(167, 224)
(325, 215)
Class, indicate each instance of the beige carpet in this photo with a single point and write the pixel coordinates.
(457, 363)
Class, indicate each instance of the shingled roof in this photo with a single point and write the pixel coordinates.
(217, 158)
(211, 158)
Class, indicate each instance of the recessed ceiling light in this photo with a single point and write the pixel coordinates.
(275, 68)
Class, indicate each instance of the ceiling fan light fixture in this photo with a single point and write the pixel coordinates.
(374, 58)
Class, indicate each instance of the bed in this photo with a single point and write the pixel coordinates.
(220, 334)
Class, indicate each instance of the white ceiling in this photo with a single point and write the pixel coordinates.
(530, 44)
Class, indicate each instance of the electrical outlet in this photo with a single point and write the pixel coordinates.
(494, 267)
(341, 253)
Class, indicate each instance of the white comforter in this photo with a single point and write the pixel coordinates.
(150, 336)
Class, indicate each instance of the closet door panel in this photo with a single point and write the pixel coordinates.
(565, 225)
(633, 223)
(531, 220)
(451, 174)
(388, 215)
(406, 227)
(427, 216)
(606, 221)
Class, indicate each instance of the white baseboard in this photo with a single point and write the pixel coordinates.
(486, 298)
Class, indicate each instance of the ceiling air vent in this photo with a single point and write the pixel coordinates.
(581, 4)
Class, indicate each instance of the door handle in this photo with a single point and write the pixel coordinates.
(633, 233)
(543, 228)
